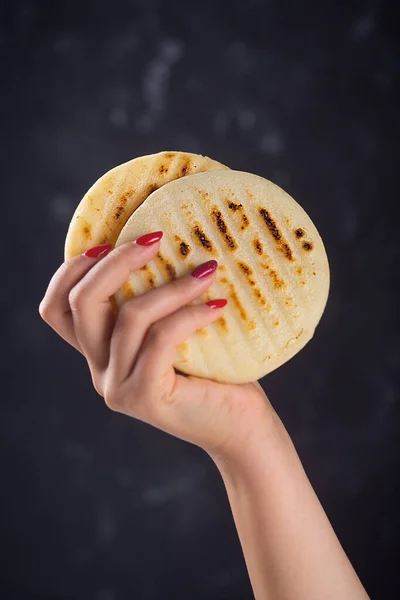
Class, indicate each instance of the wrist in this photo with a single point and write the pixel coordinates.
(262, 444)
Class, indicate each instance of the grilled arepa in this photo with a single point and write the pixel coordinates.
(273, 267)
(109, 203)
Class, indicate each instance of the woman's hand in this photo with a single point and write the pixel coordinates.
(130, 357)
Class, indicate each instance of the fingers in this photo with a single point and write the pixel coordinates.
(137, 315)
(89, 299)
(55, 308)
(153, 376)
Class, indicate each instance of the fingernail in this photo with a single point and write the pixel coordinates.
(149, 238)
(98, 251)
(217, 303)
(205, 269)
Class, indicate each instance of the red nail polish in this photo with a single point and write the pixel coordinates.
(205, 269)
(98, 251)
(217, 303)
(149, 238)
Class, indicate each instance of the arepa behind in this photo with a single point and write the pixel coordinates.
(108, 204)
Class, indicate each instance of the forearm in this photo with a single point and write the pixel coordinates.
(290, 548)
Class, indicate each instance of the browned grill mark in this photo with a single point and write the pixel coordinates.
(261, 299)
(234, 206)
(314, 273)
(203, 239)
(110, 191)
(169, 155)
(299, 233)
(245, 268)
(127, 291)
(186, 167)
(87, 231)
(276, 234)
(169, 269)
(217, 216)
(307, 246)
(252, 325)
(234, 298)
(119, 211)
(163, 169)
(149, 276)
(239, 207)
(98, 209)
(184, 248)
(184, 347)
(278, 282)
(222, 268)
(299, 270)
(152, 188)
(258, 246)
(184, 206)
(238, 304)
(223, 324)
(245, 221)
(203, 332)
(276, 323)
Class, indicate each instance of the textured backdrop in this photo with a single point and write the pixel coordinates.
(96, 506)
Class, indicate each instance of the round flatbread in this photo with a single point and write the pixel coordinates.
(273, 269)
(109, 203)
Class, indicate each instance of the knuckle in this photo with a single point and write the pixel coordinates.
(158, 335)
(45, 310)
(129, 312)
(76, 297)
(112, 398)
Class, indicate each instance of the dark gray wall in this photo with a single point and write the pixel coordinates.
(97, 506)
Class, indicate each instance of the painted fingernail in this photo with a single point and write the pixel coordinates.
(149, 238)
(205, 269)
(217, 303)
(98, 251)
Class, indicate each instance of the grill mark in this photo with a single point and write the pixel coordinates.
(279, 283)
(246, 269)
(87, 231)
(184, 248)
(307, 246)
(163, 169)
(276, 234)
(119, 211)
(202, 238)
(258, 246)
(299, 233)
(217, 216)
(203, 332)
(185, 167)
(152, 187)
(127, 291)
(169, 269)
(184, 348)
(234, 297)
(239, 207)
(242, 328)
(223, 324)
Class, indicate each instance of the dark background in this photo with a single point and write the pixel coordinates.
(96, 506)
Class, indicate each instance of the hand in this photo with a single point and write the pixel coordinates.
(130, 356)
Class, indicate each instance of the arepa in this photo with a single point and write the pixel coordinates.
(273, 269)
(108, 204)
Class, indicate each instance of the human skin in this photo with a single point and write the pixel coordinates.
(290, 548)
